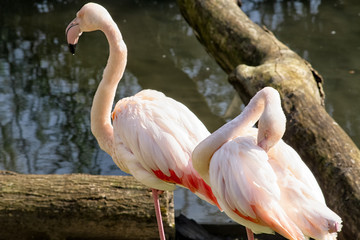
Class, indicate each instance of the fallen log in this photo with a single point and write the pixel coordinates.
(254, 58)
(80, 206)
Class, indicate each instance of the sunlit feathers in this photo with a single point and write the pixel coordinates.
(160, 134)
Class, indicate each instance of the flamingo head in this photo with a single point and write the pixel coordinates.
(90, 17)
(272, 122)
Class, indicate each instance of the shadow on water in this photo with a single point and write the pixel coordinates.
(46, 93)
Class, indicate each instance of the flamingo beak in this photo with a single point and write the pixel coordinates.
(72, 33)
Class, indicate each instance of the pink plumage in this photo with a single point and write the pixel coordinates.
(259, 180)
(159, 135)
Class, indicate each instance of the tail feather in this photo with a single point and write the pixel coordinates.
(277, 219)
(318, 221)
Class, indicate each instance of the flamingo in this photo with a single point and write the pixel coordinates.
(151, 136)
(259, 180)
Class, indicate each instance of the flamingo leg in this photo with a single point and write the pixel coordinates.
(250, 234)
(158, 214)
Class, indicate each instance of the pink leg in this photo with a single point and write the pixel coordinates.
(250, 234)
(158, 214)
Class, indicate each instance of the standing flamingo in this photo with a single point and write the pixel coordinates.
(259, 180)
(152, 136)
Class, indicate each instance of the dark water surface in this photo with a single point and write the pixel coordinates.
(46, 93)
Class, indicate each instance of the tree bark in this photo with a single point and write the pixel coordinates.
(80, 206)
(254, 58)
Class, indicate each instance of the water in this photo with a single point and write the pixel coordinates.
(46, 93)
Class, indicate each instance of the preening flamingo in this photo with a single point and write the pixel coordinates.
(259, 180)
(152, 136)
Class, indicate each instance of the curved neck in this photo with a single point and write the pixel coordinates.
(203, 152)
(103, 100)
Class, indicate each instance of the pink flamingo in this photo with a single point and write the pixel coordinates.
(259, 180)
(152, 136)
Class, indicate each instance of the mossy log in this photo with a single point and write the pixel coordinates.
(80, 206)
(254, 58)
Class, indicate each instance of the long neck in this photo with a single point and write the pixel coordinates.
(101, 125)
(203, 152)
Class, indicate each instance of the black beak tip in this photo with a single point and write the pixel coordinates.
(72, 48)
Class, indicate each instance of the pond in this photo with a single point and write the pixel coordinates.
(46, 93)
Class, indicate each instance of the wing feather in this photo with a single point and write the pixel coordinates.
(302, 197)
(287, 158)
(246, 187)
(160, 132)
(242, 167)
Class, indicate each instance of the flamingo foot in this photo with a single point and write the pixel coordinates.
(155, 194)
(250, 234)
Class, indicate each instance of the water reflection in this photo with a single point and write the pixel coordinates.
(326, 33)
(46, 94)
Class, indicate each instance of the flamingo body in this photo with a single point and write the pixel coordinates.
(259, 180)
(267, 192)
(157, 141)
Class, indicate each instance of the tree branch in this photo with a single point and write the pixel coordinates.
(79, 206)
